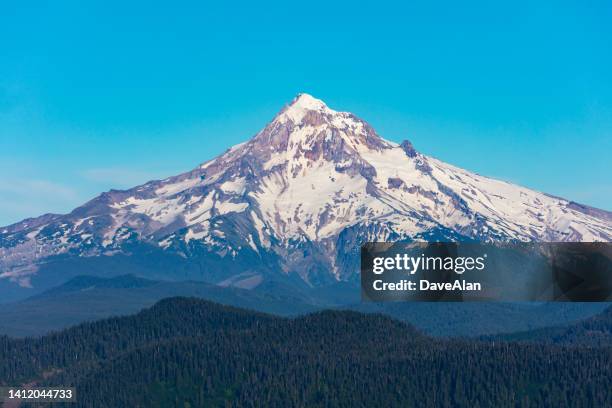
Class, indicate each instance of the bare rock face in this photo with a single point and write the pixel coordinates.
(394, 182)
(408, 149)
(297, 199)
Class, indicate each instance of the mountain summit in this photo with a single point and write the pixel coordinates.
(302, 103)
(296, 200)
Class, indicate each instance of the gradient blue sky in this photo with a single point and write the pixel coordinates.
(111, 94)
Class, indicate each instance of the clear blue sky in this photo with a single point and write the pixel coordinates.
(112, 94)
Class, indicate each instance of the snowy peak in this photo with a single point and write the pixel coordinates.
(301, 108)
(307, 101)
(307, 127)
(302, 104)
(306, 191)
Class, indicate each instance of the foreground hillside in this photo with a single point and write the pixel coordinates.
(189, 352)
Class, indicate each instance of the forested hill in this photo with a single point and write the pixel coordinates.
(592, 332)
(188, 352)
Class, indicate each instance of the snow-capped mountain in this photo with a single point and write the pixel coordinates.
(298, 199)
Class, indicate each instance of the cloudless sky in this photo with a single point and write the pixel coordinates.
(100, 95)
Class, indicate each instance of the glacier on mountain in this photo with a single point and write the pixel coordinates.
(305, 192)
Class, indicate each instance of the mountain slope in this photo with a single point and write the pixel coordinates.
(297, 200)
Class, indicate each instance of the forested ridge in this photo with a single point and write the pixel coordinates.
(592, 332)
(88, 298)
(189, 352)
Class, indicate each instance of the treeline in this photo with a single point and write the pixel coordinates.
(592, 332)
(192, 353)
